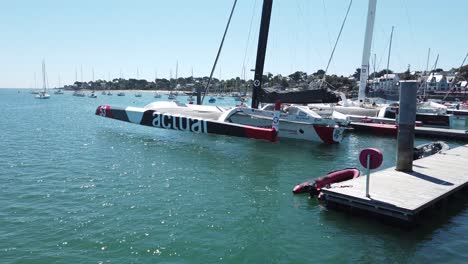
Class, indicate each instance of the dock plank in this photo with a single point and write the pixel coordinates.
(401, 194)
(420, 131)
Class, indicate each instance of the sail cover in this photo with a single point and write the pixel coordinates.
(322, 95)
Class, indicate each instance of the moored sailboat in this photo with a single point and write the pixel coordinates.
(43, 94)
(295, 121)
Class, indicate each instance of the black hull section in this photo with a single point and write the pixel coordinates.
(153, 118)
(268, 95)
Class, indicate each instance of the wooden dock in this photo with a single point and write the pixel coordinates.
(420, 131)
(402, 196)
(455, 112)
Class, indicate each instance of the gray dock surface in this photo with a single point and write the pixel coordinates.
(420, 131)
(404, 195)
(434, 132)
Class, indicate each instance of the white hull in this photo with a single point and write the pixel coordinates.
(295, 130)
(303, 125)
(42, 96)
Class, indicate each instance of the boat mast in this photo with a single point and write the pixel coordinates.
(44, 76)
(426, 73)
(176, 73)
(261, 50)
(366, 51)
(389, 51)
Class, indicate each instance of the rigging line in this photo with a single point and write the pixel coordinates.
(248, 36)
(453, 81)
(219, 52)
(464, 60)
(336, 42)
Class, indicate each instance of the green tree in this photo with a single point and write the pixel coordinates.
(319, 74)
(357, 74)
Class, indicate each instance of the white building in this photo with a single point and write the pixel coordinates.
(437, 82)
(388, 83)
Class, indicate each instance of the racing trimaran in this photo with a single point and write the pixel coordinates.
(295, 121)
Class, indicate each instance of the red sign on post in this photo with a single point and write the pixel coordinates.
(376, 158)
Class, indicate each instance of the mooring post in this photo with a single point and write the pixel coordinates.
(368, 175)
(370, 159)
(406, 123)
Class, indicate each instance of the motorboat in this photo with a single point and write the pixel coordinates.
(428, 149)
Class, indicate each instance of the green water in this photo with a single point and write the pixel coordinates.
(79, 188)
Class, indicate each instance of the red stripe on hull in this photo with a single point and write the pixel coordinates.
(261, 133)
(325, 133)
(104, 110)
(387, 130)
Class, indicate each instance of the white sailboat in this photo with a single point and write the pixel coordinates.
(59, 89)
(43, 94)
(297, 122)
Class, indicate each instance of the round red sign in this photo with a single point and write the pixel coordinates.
(376, 158)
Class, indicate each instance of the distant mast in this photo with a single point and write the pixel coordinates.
(44, 76)
(366, 51)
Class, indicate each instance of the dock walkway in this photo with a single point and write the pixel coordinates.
(420, 131)
(403, 195)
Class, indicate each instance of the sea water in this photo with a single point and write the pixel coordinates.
(80, 188)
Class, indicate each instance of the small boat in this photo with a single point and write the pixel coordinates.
(92, 95)
(121, 94)
(157, 95)
(138, 95)
(314, 186)
(212, 100)
(59, 91)
(172, 96)
(43, 95)
(428, 149)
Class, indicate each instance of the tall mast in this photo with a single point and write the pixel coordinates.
(366, 51)
(261, 50)
(426, 72)
(389, 51)
(43, 76)
(176, 73)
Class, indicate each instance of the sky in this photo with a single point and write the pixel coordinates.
(147, 38)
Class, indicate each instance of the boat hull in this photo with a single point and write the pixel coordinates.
(314, 186)
(295, 130)
(154, 118)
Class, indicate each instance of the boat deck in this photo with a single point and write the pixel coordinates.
(403, 195)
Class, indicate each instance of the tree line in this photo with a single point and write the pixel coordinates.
(298, 80)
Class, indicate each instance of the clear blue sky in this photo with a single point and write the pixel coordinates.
(113, 36)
